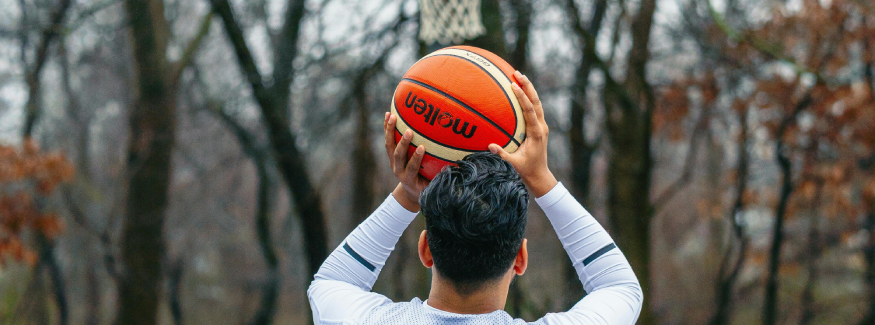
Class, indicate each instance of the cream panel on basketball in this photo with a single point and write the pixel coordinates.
(433, 148)
(502, 79)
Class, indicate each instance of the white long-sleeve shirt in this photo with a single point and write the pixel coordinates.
(340, 294)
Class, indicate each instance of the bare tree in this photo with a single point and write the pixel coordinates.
(770, 312)
(628, 122)
(364, 163)
(869, 221)
(869, 277)
(519, 54)
(493, 39)
(273, 101)
(783, 159)
(729, 268)
(35, 69)
(259, 156)
(582, 151)
(33, 79)
(152, 123)
(815, 249)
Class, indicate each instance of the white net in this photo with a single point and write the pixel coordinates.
(450, 21)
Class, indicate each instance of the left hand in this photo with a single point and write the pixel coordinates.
(407, 171)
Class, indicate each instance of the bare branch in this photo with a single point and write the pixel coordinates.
(611, 84)
(689, 163)
(615, 37)
(87, 13)
(729, 269)
(42, 52)
(190, 49)
(259, 155)
(244, 56)
(22, 34)
(103, 236)
(519, 53)
(287, 47)
(768, 49)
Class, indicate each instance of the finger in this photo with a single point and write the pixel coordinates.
(389, 131)
(385, 123)
(532, 120)
(413, 165)
(531, 93)
(401, 151)
(498, 150)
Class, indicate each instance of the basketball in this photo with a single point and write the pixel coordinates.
(457, 101)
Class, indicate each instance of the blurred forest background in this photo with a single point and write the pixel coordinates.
(192, 162)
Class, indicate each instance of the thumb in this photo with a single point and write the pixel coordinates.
(498, 150)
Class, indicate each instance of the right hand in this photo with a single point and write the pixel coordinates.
(530, 160)
(407, 171)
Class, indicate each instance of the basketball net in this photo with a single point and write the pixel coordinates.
(449, 21)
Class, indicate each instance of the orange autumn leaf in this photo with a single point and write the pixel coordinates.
(28, 175)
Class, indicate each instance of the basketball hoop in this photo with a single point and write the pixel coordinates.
(449, 21)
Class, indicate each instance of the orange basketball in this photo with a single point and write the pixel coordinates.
(457, 101)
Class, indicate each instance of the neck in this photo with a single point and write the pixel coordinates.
(489, 298)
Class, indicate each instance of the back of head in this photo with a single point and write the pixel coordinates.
(475, 216)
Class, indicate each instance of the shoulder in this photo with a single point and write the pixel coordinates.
(401, 313)
(336, 302)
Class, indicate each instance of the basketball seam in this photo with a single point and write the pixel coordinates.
(440, 158)
(440, 146)
(515, 117)
(433, 140)
(469, 108)
(426, 153)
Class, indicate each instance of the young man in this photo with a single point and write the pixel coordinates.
(475, 216)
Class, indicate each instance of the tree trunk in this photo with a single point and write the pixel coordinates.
(363, 162)
(270, 289)
(493, 40)
(175, 286)
(33, 307)
(869, 222)
(274, 106)
(402, 250)
(726, 282)
(152, 123)
(580, 149)
(33, 107)
(770, 309)
(519, 58)
(32, 76)
(92, 294)
(809, 309)
(869, 277)
(630, 164)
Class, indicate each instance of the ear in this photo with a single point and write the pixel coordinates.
(522, 259)
(424, 252)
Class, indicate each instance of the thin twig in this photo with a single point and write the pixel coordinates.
(103, 236)
(763, 46)
(689, 163)
(192, 47)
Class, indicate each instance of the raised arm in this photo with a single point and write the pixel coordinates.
(615, 296)
(341, 288)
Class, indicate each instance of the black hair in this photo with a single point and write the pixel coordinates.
(475, 217)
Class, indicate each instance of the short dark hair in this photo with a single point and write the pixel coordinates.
(475, 217)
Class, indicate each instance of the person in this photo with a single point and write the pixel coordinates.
(475, 215)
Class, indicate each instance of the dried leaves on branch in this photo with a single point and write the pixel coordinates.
(27, 177)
